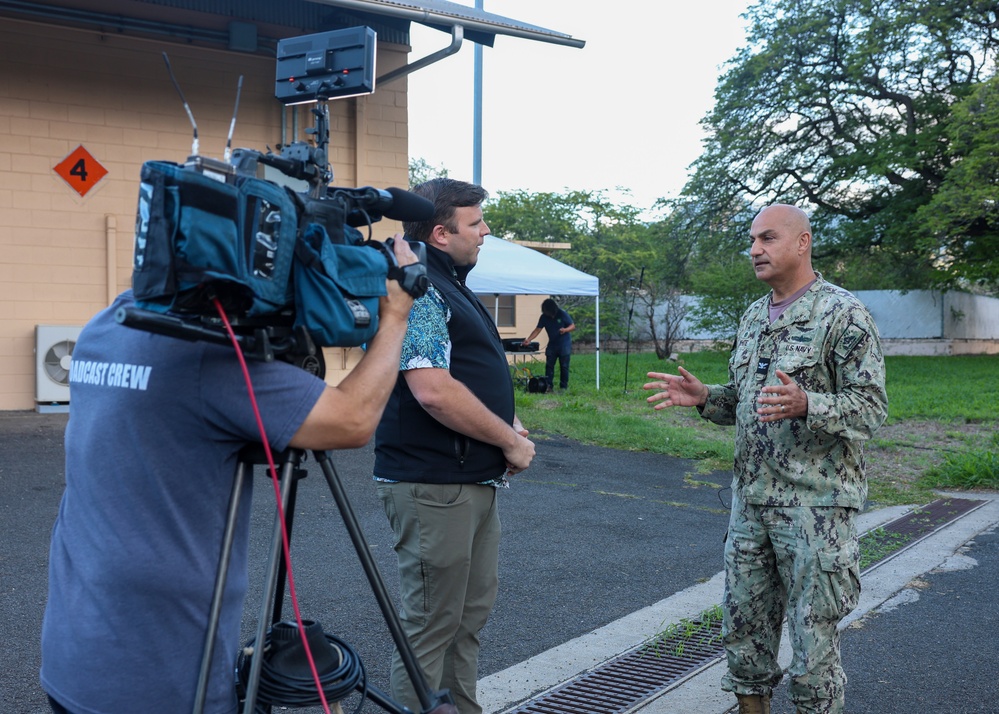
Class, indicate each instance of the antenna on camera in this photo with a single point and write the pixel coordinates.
(232, 124)
(190, 115)
(221, 171)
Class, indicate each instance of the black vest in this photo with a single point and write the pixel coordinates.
(410, 445)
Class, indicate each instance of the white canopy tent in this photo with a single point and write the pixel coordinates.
(505, 268)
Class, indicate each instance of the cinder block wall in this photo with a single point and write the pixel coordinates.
(64, 256)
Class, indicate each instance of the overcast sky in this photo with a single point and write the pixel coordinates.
(622, 112)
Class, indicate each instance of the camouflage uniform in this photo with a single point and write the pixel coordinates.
(798, 485)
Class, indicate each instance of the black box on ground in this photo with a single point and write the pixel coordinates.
(516, 344)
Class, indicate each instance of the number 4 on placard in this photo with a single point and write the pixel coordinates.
(81, 170)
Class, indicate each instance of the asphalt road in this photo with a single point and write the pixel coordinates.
(592, 538)
(589, 535)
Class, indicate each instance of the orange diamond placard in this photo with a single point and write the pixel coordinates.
(81, 170)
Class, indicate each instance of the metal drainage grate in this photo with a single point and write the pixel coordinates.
(633, 678)
(636, 676)
(901, 534)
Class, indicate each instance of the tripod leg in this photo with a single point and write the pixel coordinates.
(220, 578)
(282, 572)
(430, 701)
(288, 481)
(383, 700)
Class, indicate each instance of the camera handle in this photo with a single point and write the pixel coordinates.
(290, 471)
(412, 278)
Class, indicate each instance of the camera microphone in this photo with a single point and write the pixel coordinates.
(366, 205)
(407, 206)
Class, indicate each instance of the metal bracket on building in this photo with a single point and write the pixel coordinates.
(457, 35)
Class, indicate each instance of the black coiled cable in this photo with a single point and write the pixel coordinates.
(286, 679)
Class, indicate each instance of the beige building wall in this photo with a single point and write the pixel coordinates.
(528, 311)
(64, 256)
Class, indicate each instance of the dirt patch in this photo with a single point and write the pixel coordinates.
(901, 453)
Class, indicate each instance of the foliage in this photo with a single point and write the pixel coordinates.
(972, 469)
(700, 633)
(420, 171)
(846, 106)
(551, 218)
(725, 287)
(881, 117)
(607, 239)
(546, 217)
(879, 544)
(670, 245)
(962, 219)
(717, 267)
(665, 321)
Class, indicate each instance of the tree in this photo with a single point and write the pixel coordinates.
(620, 248)
(420, 171)
(845, 105)
(669, 247)
(599, 232)
(716, 266)
(545, 217)
(666, 321)
(962, 219)
(724, 288)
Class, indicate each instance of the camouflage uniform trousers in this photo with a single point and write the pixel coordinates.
(802, 562)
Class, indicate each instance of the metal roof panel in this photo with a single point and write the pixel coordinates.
(441, 14)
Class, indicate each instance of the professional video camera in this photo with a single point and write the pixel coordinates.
(284, 264)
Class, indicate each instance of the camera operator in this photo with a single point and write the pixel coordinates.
(152, 444)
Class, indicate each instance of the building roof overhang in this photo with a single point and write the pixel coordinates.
(477, 25)
(217, 22)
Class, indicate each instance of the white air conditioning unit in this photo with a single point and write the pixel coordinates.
(53, 354)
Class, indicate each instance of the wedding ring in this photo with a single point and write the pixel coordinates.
(782, 407)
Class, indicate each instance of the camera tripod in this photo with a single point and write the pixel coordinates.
(290, 472)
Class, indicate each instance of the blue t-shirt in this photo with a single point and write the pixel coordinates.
(155, 428)
(557, 344)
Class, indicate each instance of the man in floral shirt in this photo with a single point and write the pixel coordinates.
(447, 438)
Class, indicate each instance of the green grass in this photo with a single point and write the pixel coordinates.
(975, 468)
(879, 544)
(940, 433)
(623, 419)
(702, 631)
(961, 389)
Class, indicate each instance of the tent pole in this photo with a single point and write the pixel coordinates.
(598, 342)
